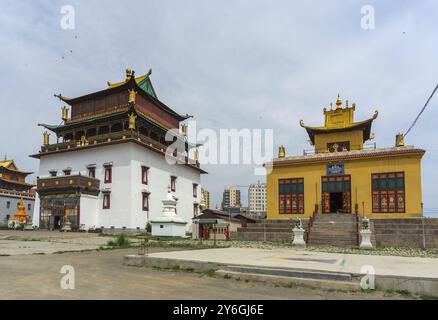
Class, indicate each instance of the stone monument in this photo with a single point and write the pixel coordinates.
(169, 224)
(298, 234)
(365, 235)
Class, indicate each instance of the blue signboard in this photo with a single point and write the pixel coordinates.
(334, 169)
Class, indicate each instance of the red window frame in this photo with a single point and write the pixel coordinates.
(173, 183)
(291, 196)
(195, 210)
(106, 201)
(388, 196)
(144, 174)
(92, 172)
(195, 190)
(145, 201)
(108, 177)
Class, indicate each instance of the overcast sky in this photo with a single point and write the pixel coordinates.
(232, 64)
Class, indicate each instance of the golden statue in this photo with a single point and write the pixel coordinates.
(132, 118)
(132, 94)
(46, 136)
(64, 114)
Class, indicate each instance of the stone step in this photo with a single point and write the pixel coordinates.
(260, 236)
(287, 278)
(287, 281)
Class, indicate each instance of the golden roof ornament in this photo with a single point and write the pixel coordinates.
(184, 129)
(338, 103)
(281, 152)
(399, 140)
(64, 114)
(46, 136)
(196, 155)
(128, 74)
(132, 95)
(132, 117)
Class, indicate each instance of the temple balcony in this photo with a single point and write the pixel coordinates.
(113, 138)
(71, 184)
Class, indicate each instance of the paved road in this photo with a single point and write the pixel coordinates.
(101, 275)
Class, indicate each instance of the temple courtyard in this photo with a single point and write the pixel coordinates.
(31, 265)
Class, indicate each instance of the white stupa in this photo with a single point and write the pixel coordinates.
(169, 224)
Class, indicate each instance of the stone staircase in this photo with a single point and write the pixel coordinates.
(333, 229)
(276, 230)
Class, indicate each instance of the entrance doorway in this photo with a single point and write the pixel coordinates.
(336, 204)
(336, 194)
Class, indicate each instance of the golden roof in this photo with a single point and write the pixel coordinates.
(340, 119)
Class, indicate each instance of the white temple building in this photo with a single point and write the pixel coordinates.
(107, 168)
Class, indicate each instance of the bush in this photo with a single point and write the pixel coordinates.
(120, 241)
(148, 227)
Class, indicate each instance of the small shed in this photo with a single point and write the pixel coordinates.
(215, 224)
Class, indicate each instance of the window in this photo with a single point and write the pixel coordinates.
(92, 172)
(106, 200)
(195, 190)
(53, 173)
(67, 171)
(8, 204)
(145, 201)
(144, 174)
(108, 174)
(338, 146)
(173, 183)
(388, 192)
(195, 210)
(291, 196)
(29, 207)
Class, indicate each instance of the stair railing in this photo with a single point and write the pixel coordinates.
(357, 230)
(309, 226)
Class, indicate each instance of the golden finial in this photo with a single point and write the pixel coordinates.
(281, 152)
(131, 125)
(64, 114)
(339, 102)
(196, 155)
(132, 94)
(128, 74)
(46, 138)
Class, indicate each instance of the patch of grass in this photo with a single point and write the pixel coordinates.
(427, 297)
(404, 293)
(209, 273)
(5, 255)
(227, 276)
(38, 253)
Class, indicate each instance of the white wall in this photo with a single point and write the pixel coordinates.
(126, 187)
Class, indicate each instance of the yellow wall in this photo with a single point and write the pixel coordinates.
(354, 137)
(360, 171)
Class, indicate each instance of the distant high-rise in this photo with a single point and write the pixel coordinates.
(231, 198)
(205, 198)
(257, 198)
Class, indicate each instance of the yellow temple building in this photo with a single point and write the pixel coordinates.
(342, 175)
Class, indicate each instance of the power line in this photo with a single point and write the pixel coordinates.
(422, 110)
